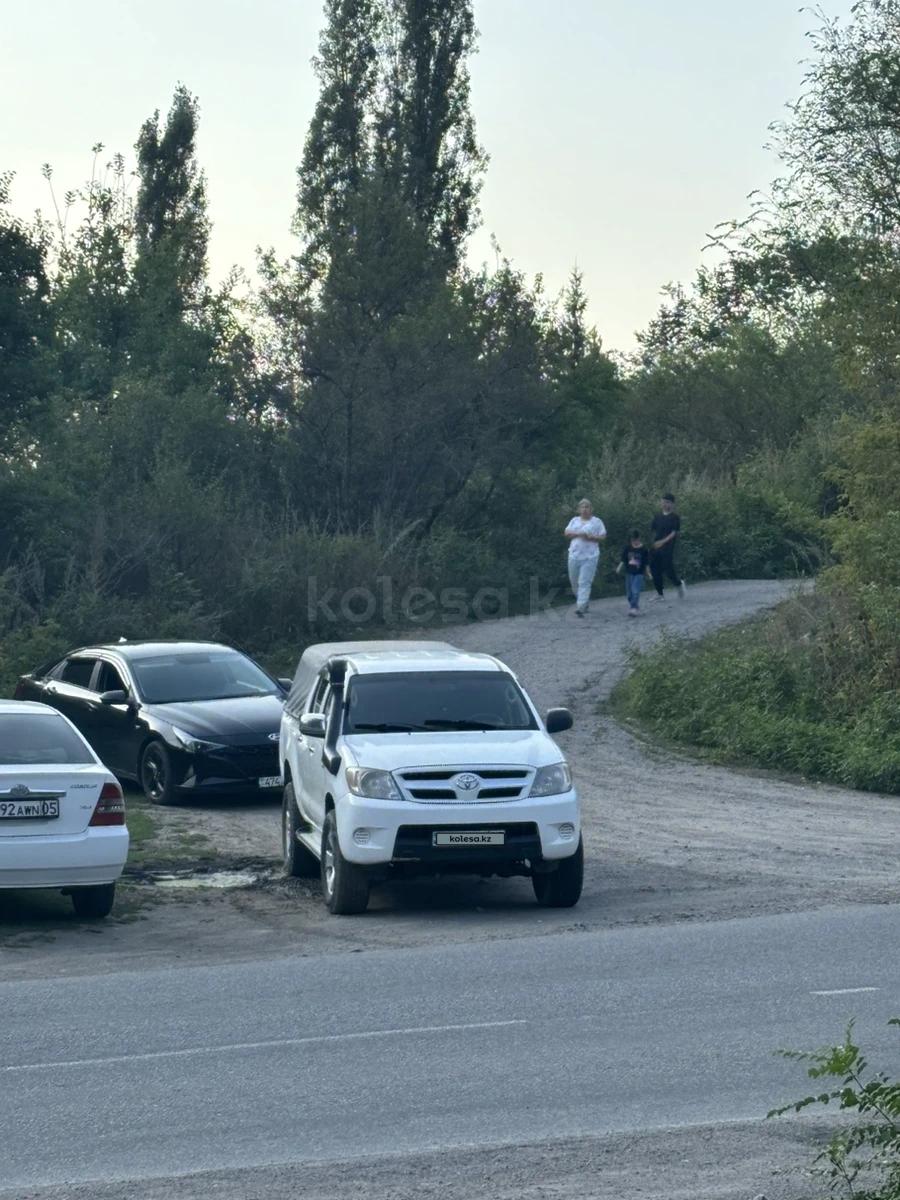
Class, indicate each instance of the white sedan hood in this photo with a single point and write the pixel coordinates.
(397, 751)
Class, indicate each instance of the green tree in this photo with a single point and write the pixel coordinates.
(25, 321)
(170, 220)
(426, 129)
(172, 332)
(841, 143)
(338, 147)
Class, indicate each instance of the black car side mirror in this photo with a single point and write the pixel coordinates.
(313, 725)
(558, 720)
(285, 684)
(114, 697)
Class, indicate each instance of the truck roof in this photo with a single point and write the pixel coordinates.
(373, 657)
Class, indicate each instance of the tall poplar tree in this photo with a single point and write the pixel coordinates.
(171, 222)
(337, 152)
(426, 127)
(171, 236)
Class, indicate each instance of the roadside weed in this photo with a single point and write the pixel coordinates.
(861, 1162)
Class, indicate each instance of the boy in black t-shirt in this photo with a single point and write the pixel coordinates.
(666, 526)
(635, 559)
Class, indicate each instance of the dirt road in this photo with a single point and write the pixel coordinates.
(668, 839)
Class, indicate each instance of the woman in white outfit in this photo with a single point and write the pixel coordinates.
(585, 532)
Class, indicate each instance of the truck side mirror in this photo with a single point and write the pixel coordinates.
(313, 725)
(558, 720)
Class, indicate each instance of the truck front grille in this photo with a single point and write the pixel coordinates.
(464, 785)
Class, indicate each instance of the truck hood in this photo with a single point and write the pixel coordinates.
(397, 751)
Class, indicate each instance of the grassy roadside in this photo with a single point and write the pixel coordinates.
(754, 695)
(163, 839)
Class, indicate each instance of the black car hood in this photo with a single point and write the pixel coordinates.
(217, 719)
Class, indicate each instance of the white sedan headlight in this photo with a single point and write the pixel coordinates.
(376, 785)
(552, 780)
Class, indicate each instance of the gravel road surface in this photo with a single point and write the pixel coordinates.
(560, 1041)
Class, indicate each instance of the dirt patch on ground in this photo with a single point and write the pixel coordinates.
(668, 838)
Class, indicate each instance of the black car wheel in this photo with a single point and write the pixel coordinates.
(561, 888)
(298, 861)
(156, 775)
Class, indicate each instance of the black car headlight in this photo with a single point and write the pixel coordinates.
(194, 745)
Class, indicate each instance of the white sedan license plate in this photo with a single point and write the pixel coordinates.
(467, 837)
(24, 810)
(270, 781)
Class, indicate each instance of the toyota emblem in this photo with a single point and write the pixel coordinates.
(273, 737)
(466, 782)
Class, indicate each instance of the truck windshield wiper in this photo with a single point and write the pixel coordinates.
(447, 723)
(387, 727)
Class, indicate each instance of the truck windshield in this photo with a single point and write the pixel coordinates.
(431, 701)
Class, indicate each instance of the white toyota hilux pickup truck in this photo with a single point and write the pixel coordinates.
(411, 758)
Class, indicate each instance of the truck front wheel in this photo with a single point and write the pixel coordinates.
(561, 888)
(345, 886)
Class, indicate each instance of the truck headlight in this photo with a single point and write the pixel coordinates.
(552, 780)
(376, 785)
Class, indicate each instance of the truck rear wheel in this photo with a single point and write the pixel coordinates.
(561, 888)
(298, 861)
(345, 886)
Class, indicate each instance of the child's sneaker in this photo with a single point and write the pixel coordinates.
(658, 596)
(633, 612)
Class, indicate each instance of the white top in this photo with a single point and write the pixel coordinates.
(580, 547)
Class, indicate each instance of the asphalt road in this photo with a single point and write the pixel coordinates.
(308, 1059)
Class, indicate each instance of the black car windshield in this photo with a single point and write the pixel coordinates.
(36, 739)
(431, 701)
(200, 675)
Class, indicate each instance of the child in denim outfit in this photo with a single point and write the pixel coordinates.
(636, 565)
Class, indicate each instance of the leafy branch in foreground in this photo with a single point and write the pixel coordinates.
(869, 1151)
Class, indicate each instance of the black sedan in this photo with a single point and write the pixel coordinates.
(181, 718)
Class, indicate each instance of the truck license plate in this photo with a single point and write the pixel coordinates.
(467, 837)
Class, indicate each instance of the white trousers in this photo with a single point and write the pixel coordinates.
(581, 576)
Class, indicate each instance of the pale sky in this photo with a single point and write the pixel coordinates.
(620, 131)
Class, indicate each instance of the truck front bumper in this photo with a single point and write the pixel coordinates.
(378, 832)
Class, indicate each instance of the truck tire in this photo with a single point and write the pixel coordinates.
(345, 886)
(561, 888)
(298, 861)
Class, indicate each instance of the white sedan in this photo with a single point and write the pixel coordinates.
(62, 813)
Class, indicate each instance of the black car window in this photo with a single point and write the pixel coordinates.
(40, 737)
(109, 679)
(436, 700)
(78, 671)
(200, 675)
